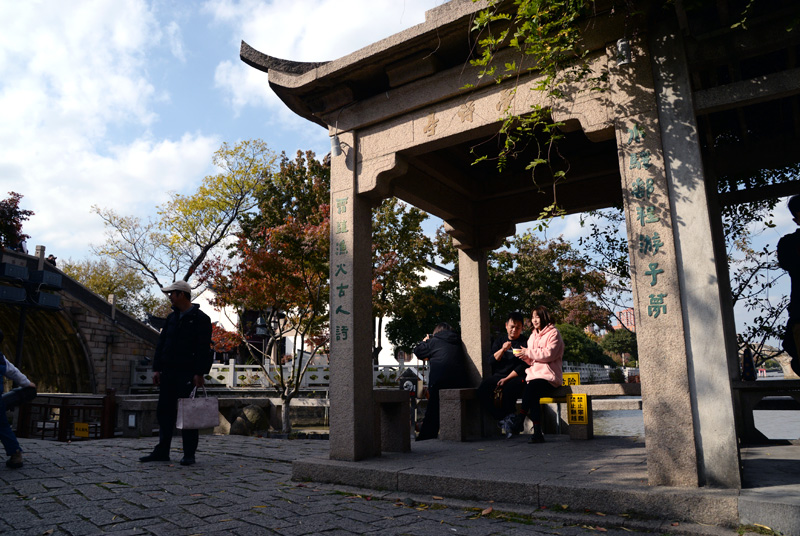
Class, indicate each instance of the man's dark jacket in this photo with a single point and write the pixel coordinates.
(447, 362)
(184, 346)
(789, 260)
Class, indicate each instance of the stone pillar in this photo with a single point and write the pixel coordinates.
(473, 281)
(351, 420)
(704, 325)
(663, 360)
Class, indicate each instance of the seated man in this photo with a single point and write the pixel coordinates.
(447, 371)
(508, 371)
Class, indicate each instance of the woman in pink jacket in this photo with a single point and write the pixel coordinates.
(544, 354)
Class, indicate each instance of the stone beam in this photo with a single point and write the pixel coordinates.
(747, 92)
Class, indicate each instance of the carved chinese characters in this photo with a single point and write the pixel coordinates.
(646, 241)
(340, 322)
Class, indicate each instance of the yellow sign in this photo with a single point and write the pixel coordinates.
(577, 409)
(82, 429)
(571, 378)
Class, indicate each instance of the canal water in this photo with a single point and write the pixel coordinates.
(773, 424)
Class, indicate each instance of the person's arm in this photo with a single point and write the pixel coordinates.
(203, 356)
(789, 253)
(423, 350)
(512, 374)
(16, 376)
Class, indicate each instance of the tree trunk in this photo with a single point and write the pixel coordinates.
(286, 422)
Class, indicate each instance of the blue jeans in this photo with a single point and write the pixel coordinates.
(7, 436)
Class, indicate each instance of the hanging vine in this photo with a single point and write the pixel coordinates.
(547, 31)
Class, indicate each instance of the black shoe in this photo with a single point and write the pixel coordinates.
(518, 424)
(188, 460)
(15, 461)
(154, 457)
(536, 438)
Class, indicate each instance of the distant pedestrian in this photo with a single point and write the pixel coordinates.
(9, 440)
(445, 354)
(789, 260)
(182, 358)
(51, 259)
(22, 246)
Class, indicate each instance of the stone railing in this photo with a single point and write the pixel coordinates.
(231, 375)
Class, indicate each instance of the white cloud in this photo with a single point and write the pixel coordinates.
(71, 75)
(304, 30)
(175, 37)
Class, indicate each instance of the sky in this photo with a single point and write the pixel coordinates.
(116, 103)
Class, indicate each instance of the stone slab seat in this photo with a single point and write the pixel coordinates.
(392, 418)
(751, 396)
(460, 413)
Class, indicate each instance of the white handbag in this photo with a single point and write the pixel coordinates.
(195, 413)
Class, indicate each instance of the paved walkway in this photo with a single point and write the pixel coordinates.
(242, 485)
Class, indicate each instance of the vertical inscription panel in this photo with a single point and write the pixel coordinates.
(672, 457)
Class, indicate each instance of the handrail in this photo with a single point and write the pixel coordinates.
(317, 378)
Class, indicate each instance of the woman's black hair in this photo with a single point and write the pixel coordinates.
(442, 326)
(544, 315)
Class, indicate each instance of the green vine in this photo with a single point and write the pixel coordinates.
(548, 32)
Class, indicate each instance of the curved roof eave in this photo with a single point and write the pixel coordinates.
(293, 81)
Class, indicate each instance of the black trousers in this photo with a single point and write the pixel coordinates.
(512, 390)
(172, 387)
(430, 423)
(534, 390)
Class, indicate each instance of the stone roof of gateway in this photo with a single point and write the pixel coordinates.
(313, 89)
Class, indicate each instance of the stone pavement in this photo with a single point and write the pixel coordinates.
(242, 485)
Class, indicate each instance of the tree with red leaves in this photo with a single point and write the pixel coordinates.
(11, 218)
(279, 272)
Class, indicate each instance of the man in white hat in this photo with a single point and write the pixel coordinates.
(182, 359)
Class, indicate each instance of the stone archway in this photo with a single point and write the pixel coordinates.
(398, 112)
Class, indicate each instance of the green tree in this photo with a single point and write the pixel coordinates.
(11, 218)
(190, 227)
(579, 348)
(400, 251)
(279, 271)
(105, 277)
(531, 271)
(419, 312)
(621, 341)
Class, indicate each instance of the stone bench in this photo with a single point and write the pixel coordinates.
(392, 420)
(759, 395)
(460, 415)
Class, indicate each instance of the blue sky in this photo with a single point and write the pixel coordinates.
(116, 103)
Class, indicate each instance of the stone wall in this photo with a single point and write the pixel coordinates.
(111, 348)
(86, 345)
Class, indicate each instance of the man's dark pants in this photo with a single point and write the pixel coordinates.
(172, 387)
(512, 390)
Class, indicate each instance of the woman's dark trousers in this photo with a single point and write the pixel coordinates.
(534, 390)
